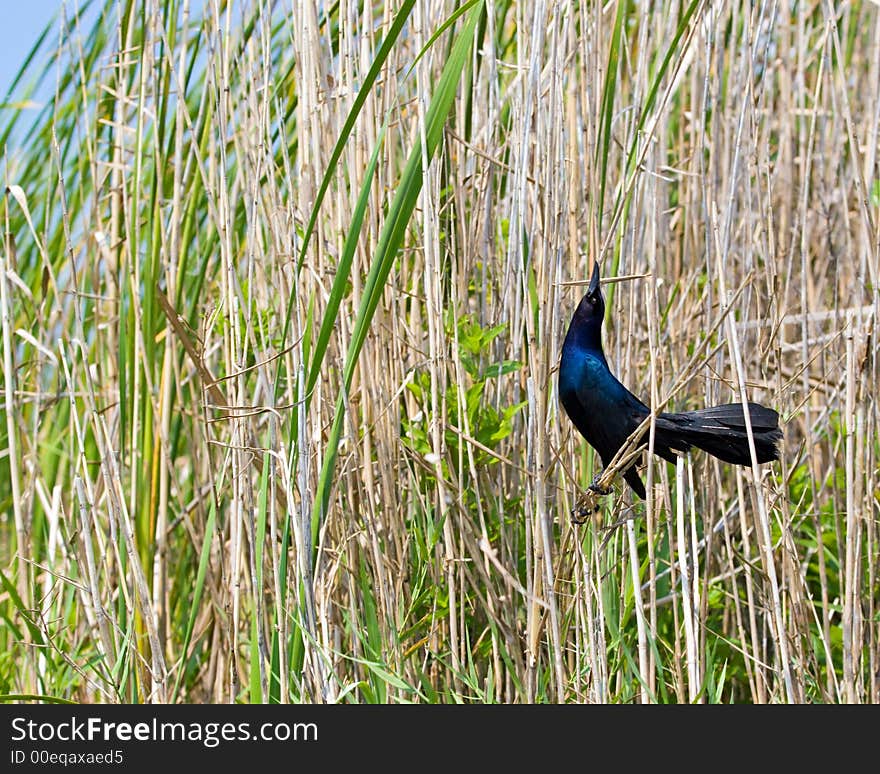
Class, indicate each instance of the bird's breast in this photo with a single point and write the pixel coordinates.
(579, 371)
(589, 392)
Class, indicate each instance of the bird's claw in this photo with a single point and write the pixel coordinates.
(600, 490)
(585, 507)
(587, 504)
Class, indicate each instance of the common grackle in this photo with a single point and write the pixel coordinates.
(606, 413)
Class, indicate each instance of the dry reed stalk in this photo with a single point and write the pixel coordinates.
(738, 191)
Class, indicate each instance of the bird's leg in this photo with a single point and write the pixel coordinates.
(586, 505)
(596, 487)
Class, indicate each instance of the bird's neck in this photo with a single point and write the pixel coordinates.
(585, 335)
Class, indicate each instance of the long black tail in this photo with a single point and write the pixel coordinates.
(721, 431)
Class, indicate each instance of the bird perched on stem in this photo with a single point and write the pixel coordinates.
(607, 414)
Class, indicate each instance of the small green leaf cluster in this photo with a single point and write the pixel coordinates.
(471, 413)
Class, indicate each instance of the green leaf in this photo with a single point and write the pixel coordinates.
(502, 369)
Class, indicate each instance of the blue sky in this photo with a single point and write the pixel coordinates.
(23, 21)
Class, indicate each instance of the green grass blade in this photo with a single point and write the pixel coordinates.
(19, 605)
(199, 588)
(651, 97)
(257, 695)
(607, 111)
(375, 69)
(390, 240)
(439, 31)
(343, 270)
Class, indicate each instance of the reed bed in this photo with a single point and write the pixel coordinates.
(284, 287)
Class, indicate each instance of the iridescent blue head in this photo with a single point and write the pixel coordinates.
(592, 305)
(586, 325)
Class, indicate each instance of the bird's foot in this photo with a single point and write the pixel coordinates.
(600, 490)
(585, 507)
(587, 503)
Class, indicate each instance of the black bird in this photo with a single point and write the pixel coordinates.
(606, 413)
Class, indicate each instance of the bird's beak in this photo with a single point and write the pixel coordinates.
(594, 280)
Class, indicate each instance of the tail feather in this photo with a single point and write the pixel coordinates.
(721, 431)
